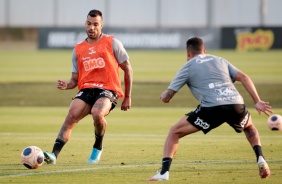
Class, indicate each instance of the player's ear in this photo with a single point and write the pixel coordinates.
(188, 55)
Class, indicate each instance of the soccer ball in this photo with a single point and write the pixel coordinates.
(32, 157)
(275, 122)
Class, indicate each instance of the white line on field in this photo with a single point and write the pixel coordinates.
(131, 166)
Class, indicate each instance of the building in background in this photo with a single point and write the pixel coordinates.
(151, 24)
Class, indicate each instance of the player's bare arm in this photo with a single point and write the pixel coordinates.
(63, 85)
(167, 95)
(128, 76)
(248, 84)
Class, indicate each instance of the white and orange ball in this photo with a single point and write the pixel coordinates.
(32, 157)
(275, 122)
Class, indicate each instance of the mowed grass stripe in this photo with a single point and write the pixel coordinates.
(143, 95)
(229, 136)
(133, 139)
(97, 167)
(148, 66)
(28, 78)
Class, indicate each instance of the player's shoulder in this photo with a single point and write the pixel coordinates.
(107, 35)
(80, 42)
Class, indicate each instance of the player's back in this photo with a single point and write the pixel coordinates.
(211, 80)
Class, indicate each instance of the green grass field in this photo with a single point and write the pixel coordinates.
(28, 78)
(32, 111)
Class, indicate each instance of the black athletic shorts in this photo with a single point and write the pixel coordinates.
(208, 118)
(91, 95)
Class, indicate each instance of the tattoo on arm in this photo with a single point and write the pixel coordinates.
(72, 83)
(128, 75)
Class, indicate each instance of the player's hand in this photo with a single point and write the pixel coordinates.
(126, 104)
(61, 84)
(264, 107)
(164, 97)
(167, 95)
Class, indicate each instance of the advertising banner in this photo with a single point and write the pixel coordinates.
(65, 38)
(251, 38)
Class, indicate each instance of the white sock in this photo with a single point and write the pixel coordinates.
(261, 159)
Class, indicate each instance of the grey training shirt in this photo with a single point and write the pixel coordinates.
(210, 79)
(119, 52)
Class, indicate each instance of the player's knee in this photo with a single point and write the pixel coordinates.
(173, 129)
(71, 119)
(97, 116)
(250, 130)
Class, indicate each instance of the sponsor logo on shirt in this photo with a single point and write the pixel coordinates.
(93, 63)
(225, 91)
(91, 50)
(229, 98)
(200, 61)
(217, 84)
(86, 58)
(93, 85)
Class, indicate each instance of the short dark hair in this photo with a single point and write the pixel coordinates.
(95, 13)
(195, 45)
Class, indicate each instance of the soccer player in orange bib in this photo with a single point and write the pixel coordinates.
(95, 71)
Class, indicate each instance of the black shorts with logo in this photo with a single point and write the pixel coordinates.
(91, 95)
(208, 118)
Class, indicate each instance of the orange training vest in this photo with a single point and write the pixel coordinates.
(97, 65)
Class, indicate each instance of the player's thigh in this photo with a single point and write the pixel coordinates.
(183, 127)
(101, 107)
(78, 110)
